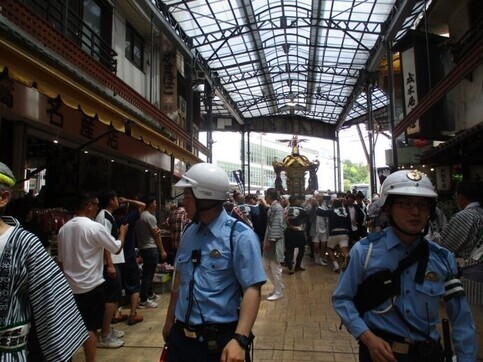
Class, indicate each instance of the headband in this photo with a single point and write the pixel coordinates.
(7, 180)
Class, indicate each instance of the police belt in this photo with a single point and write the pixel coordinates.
(405, 346)
(196, 331)
(14, 337)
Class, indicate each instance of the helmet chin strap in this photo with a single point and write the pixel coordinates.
(396, 226)
(199, 209)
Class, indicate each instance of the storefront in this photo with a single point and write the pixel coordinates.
(461, 155)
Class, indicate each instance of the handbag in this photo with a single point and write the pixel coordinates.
(164, 354)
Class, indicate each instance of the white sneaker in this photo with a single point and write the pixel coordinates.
(154, 298)
(335, 267)
(275, 296)
(148, 304)
(116, 333)
(109, 342)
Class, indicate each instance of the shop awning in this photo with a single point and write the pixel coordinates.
(161, 143)
(52, 82)
(464, 147)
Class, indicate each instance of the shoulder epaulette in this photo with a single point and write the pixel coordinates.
(444, 255)
(435, 246)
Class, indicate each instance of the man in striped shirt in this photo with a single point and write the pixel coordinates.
(461, 236)
(33, 290)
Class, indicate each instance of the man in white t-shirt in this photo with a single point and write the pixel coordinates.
(81, 255)
(108, 202)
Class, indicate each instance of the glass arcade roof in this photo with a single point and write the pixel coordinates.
(294, 57)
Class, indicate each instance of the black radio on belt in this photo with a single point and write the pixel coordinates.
(196, 257)
(210, 336)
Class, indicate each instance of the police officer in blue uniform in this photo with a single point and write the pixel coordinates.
(218, 276)
(388, 296)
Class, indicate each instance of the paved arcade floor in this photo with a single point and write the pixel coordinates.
(300, 327)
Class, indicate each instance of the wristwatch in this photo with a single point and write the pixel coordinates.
(242, 340)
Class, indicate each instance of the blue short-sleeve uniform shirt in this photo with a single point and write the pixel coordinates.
(419, 303)
(221, 272)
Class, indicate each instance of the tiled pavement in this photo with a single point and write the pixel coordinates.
(300, 327)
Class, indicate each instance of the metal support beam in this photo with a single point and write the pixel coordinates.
(397, 17)
(189, 100)
(209, 119)
(370, 131)
(249, 181)
(242, 153)
(392, 102)
(337, 164)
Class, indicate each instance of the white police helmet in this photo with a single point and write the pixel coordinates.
(407, 183)
(208, 181)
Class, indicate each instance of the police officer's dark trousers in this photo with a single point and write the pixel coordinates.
(187, 349)
(364, 355)
(415, 352)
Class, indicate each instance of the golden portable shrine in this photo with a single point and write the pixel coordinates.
(295, 167)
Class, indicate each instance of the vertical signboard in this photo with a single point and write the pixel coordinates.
(408, 65)
(169, 91)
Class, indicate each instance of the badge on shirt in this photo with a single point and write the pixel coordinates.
(432, 276)
(215, 253)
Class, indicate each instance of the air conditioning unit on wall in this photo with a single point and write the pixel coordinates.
(198, 76)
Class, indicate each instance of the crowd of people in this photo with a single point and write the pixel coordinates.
(395, 255)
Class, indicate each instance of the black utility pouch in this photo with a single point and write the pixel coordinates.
(210, 335)
(374, 291)
(430, 351)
